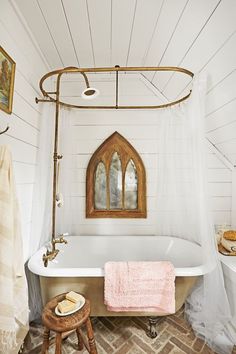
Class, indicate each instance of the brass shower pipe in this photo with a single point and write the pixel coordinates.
(51, 254)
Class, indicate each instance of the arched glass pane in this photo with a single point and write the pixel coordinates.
(131, 186)
(115, 182)
(100, 197)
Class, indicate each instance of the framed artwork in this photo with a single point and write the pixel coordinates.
(7, 76)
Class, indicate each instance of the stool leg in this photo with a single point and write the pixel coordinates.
(58, 343)
(80, 340)
(45, 345)
(91, 340)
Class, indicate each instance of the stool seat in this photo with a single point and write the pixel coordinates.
(64, 324)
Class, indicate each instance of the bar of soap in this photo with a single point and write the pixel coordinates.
(66, 306)
(230, 235)
(73, 296)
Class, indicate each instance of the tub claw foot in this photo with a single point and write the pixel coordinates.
(152, 332)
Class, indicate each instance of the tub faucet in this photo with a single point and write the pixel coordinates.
(60, 239)
(51, 254)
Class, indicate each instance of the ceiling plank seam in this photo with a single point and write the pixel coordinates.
(218, 50)
(90, 31)
(209, 60)
(32, 78)
(172, 34)
(221, 156)
(71, 36)
(25, 121)
(111, 24)
(218, 108)
(21, 140)
(193, 42)
(220, 81)
(151, 86)
(221, 126)
(152, 36)
(131, 33)
(28, 102)
(50, 33)
(31, 36)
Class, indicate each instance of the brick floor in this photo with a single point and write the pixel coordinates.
(126, 335)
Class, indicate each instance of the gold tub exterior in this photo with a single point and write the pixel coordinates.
(93, 289)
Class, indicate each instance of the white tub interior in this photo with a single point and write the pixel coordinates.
(86, 255)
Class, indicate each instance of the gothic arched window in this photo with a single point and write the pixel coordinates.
(116, 181)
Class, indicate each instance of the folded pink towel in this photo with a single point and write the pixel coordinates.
(140, 286)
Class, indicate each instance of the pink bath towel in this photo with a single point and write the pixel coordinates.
(140, 286)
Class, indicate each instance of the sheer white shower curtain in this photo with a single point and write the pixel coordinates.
(182, 201)
(42, 199)
(42, 203)
(183, 210)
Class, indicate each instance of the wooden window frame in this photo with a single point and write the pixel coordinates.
(116, 143)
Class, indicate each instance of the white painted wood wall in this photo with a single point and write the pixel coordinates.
(24, 122)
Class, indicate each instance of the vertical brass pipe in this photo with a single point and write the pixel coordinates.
(117, 85)
(55, 159)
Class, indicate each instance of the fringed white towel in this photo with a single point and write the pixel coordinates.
(13, 284)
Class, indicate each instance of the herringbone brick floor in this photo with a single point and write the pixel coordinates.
(126, 335)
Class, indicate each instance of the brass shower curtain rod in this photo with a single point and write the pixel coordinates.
(58, 73)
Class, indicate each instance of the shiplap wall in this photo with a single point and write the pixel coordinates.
(22, 137)
(91, 128)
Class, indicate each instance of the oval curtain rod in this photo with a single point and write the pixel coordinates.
(115, 69)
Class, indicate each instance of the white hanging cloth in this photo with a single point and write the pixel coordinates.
(183, 210)
(13, 286)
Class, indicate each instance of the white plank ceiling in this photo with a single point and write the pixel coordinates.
(199, 35)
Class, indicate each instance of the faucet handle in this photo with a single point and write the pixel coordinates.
(61, 238)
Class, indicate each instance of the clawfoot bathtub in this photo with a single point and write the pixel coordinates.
(79, 266)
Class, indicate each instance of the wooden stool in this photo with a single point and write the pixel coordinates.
(64, 325)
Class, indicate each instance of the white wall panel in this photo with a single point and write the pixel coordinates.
(222, 63)
(221, 203)
(228, 147)
(221, 117)
(22, 151)
(24, 122)
(25, 110)
(223, 93)
(224, 134)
